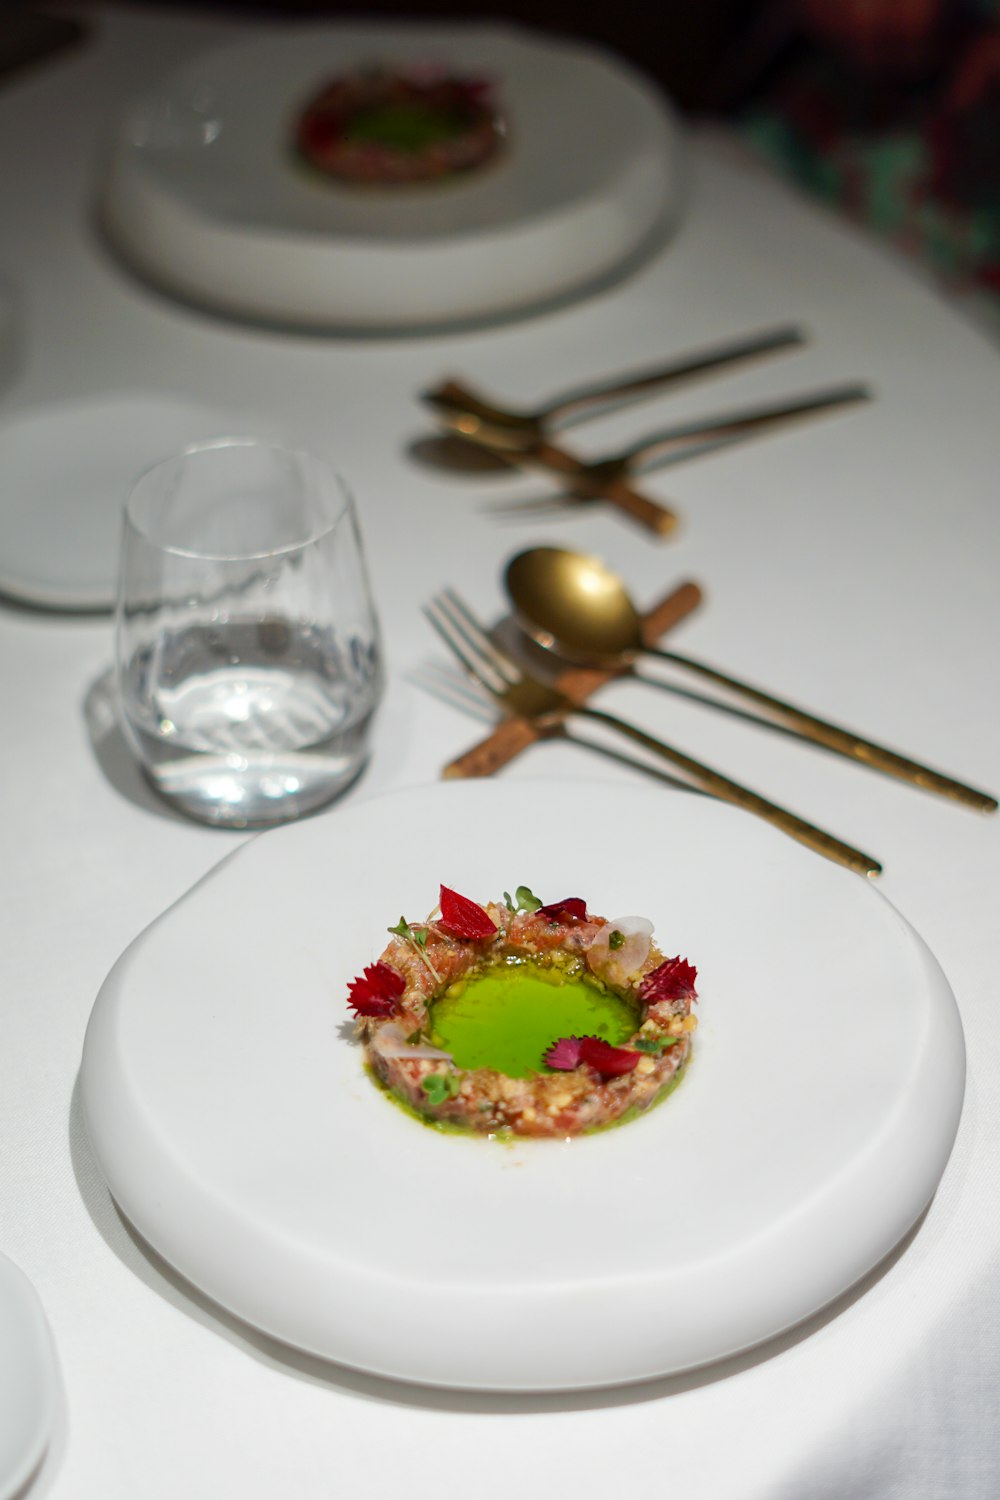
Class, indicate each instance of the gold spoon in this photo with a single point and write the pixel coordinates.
(575, 606)
(474, 416)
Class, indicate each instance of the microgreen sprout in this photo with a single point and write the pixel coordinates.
(654, 1045)
(416, 937)
(440, 1087)
(524, 900)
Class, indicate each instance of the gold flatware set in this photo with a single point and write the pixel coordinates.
(473, 415)
(524, 696)
(527, 440)
(610, 478)
(510, 736)
(574, 605)
(579, 611)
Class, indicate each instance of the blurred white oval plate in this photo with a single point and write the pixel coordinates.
(65, 474)
(205, 197)
(230, 1112)
(28, 1380)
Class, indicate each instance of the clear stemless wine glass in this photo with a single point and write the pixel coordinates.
(247, 644)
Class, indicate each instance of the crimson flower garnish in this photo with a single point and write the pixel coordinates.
(673, 980)
(609, 1061)
(573, 909)
(570, 1051)
(564, 1054)
(376, 991)
(462, 918)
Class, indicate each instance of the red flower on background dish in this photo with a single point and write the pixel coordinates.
(391, 127)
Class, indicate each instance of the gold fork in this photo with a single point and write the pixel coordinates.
(521, 695)
(467, 412)
(597, 479)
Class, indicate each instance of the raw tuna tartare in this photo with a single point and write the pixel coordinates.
(526, 1019)
(384, 128)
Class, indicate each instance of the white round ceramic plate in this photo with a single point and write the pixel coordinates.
(27, 1380)
(230, 1112)
(66, 472)
(206, 198)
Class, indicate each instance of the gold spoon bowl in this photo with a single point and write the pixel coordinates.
(578, 608)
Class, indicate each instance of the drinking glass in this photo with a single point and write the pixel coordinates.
(247, 645)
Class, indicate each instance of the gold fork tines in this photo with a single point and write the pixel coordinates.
(521, 695)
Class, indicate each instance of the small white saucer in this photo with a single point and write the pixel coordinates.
(28, 1380)
(66, 472)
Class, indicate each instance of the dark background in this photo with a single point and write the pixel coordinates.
(686, 45)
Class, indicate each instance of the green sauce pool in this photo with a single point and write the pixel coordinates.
(508, 1017)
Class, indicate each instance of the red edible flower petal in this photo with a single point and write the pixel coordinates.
(609, 1061)
(570, 1051)
(462, 918)
(673, 980)
(563, 1054)
(376, 993)
(573, 909)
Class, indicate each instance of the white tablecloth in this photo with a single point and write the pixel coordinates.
(851, 563)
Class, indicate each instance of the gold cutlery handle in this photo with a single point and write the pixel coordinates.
(651, 514)
(731, 791)
(844, 741)
(608, 478)
(620, 388)
(502, 745)
(659, 519)
(742, 423)
(471, 414)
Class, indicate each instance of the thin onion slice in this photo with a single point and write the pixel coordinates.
(619, 965)
(391, 1042)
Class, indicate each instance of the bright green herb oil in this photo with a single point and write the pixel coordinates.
(404, 127)
(509, 1016)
